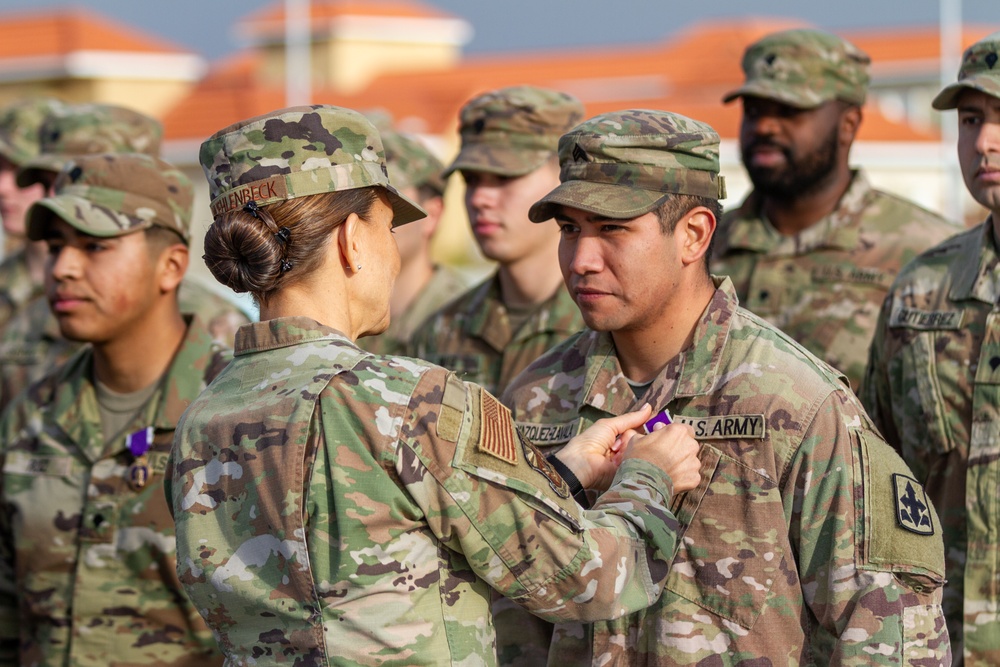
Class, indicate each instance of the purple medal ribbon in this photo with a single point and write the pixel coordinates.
(139, 442)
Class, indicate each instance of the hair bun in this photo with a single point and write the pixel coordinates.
(242, 253)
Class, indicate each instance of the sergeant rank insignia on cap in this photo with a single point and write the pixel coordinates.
(913, 513)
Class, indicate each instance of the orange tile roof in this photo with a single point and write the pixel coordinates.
(58, 33)
(682, 74)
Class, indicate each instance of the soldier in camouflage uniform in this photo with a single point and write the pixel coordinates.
(808, 541)
(814, 247)
(87, 565)
(22, 271)
(422, 286)
(336, 507)
(508, 160)
(30, 344)
(933, 379)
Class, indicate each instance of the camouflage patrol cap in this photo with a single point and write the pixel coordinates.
(296, 152)
(804, 68)
(980, 71)
(513, 131)
(90, 129)
(19, 127)
(625, 163)
(411, 164)
(116, 194)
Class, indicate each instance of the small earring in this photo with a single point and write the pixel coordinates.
(359, 267)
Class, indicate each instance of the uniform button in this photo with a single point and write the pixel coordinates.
(994, 362)
(764, 294)
(98, 520)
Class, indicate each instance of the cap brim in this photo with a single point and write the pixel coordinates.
(606, 199)
(31, 172)
(769, 91)
(404, 210)
(97, 221)
(499, 160)
(948, 97)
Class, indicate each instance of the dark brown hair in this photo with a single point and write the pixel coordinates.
(281, 243)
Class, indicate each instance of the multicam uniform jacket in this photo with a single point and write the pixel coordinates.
(335, 507)
(807, 542)
(16, 286)
(87, 564)
(31, 344)
(933, 388)
(445, 284)
(472, 335)
(824, 286)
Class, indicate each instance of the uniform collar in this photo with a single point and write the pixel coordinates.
(693, 372)
(840, 230)
(281, 332)
(980, 279)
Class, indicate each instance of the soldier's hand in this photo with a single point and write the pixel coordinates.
(593, 455)
(672, 448)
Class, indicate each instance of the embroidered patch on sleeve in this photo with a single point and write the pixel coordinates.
(913, 512)
(542, 466)
(496, 433)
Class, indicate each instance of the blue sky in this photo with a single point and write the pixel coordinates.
(204, 26)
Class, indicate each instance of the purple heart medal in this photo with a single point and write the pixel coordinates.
(662, 417)
(138, 444)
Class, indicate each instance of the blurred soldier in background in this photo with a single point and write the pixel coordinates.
(23, 268)
(814, 248)
(508, 160)
(422, 286)
(933, 381)
(87, 554)
(30, 343)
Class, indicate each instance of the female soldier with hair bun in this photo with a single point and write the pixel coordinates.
(338, 507)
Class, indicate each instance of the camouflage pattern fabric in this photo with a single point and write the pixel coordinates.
(472, 335)
(444, 284)
(89, 129)
(410, 163)
(796, 549)
(87, 562)
(296, 152)
(624, 163)
(933, 389)
(513, 131)
(19, 127)
(979, 71)
(334, 507)
(115, 194)
(31, 344)
(804, 68)
(16, 286)
(824, 286)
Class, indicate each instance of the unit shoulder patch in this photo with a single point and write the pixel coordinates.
(913, 512)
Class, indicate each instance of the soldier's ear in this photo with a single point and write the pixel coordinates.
(694, 233)
(172, 264)
(850, 123)
(349, 244)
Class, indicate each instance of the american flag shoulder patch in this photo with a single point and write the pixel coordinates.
(496, 434)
